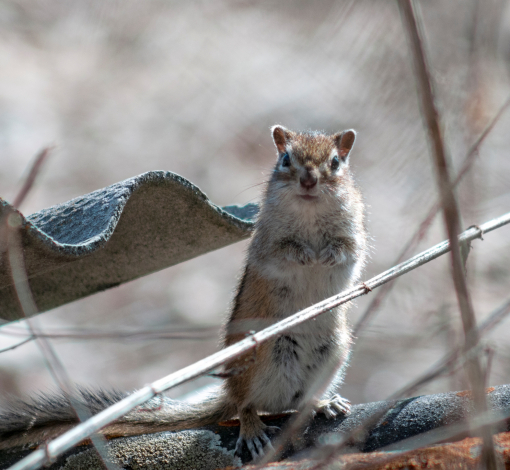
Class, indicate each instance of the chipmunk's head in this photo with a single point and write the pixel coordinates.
(312, 163)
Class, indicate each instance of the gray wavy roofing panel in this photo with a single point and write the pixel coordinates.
(402, 425)
(116, 234)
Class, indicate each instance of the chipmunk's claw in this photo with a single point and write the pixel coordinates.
(256, 445)
(335, 406)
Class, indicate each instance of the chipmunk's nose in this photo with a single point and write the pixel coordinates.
(309, 179)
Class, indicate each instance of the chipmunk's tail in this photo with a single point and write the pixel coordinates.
(44, 417)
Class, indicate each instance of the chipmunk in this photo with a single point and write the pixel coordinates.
(308, 244)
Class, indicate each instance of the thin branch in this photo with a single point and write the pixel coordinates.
(21, 343)
(32, 175)
(435, 436)
(20, 197)
(92, 334)
(376, 302)
(494, 318)
(422, 230)
(299, 421)
(489, 356)
(29, 308)
(448, 361)
(473, 150)
(451, 214)
(446, 364)
(72, 437)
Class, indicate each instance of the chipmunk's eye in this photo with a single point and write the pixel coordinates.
(286, 160)
(335, 163)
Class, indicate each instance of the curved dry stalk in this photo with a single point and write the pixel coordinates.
(32, 175)
(188, 334)
(29, 308)
(423, 227)
(451, 214)
(17, 345)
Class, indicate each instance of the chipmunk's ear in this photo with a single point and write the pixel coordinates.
(281, 136)
(344, 141)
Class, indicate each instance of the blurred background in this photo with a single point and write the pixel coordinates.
(193, 87)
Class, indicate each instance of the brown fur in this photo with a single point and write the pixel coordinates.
(337, 230)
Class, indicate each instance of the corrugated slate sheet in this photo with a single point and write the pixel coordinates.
(401, 426)
(116, 234)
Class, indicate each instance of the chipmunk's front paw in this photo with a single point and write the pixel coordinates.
(308, 257)
(331, 256)
(297, 252)
(256, 444)
(304, 256)
(334, 407)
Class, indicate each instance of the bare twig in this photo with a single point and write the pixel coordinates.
(17, 345)
(67, 440)
(9, 227)
(422, 230)
(191, 334)
(451, 215)
(92, 334)
(489, 356)
(20, 197)
(447, 363)
(376, 302)
(435, 436)
(494, 318)
(29, 308)
(300, 420)
(32, 175)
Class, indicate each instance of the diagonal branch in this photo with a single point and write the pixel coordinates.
(29, 308)
(446, 364)
(32, 175)
(17, 345)
(451, 215)
(187, 334)
(422, 230)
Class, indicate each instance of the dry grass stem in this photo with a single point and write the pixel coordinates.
(17, 345)
(195, 334)
(425, 224)
(29, 308)
(445, 365)
(451, 214)
(32, 175)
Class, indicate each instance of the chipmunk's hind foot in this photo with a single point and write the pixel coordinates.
(253, 433)
(334, 406)
(256, 445)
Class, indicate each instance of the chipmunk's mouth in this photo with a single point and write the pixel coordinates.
(308, 197)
